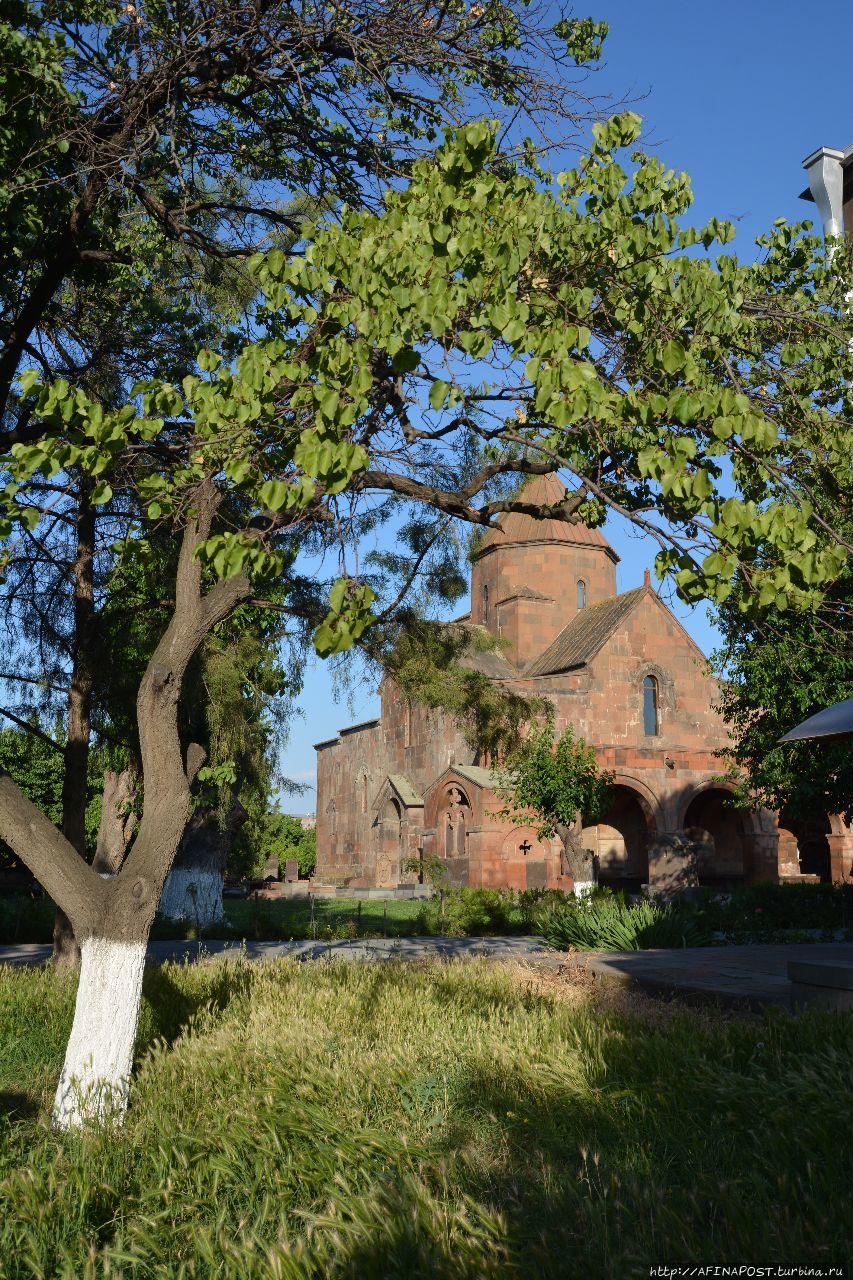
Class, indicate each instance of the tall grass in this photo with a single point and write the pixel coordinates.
(445, 1121)
(609, 923)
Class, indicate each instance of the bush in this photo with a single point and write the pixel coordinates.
(764, 912)
(471, 912)
(600, 923)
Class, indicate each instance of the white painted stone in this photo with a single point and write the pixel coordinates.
(583, 888)
(94, 1080)
(193, 894)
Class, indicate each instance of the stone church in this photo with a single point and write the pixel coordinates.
(618, 667)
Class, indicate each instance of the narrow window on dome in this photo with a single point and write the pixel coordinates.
(650, 707)
(485, 606)
(581, 594)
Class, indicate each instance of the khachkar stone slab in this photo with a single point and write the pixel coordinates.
(291, 870)
(672, 864)
(271, 867)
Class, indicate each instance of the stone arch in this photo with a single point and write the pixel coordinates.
(646, 799)
(623, 836)
(667, 699)
(752, 819)
(722, 835)
(805, 843)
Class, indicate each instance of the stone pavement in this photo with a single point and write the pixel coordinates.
(427, 948)
(754, 975)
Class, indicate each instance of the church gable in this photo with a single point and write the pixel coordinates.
(649, 683)
(581, 639)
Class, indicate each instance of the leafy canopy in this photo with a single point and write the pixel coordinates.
(483, 324)
(557, 782)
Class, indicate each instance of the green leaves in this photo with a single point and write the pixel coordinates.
(348, 618)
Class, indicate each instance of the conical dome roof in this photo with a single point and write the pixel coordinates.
(512, 527)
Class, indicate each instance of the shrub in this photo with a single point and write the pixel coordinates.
(464, 912)
(610, 923)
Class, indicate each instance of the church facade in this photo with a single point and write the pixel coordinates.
(620, 669)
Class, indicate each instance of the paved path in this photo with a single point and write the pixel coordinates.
(515, 948)
(754, 974)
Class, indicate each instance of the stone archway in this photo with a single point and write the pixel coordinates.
(805, 844)
(621, 840)
(720, 835)
(454, 823)
(389, 853)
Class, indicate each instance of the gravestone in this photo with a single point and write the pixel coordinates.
(291, 870)
(271, 868)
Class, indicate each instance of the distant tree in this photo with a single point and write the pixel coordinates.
(556, 784)
(776, 670)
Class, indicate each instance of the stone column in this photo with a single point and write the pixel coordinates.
(841, 856)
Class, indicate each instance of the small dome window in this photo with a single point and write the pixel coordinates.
(485, 606)
(581, 594)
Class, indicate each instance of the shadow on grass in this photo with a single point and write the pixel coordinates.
(170, 1007)
(17, 1106)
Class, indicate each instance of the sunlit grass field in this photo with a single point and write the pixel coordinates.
(467, 1120)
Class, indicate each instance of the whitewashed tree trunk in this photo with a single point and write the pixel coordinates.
(95, 1077)
(194, 894)
(193, 890)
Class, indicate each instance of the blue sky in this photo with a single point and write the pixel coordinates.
(736, 94)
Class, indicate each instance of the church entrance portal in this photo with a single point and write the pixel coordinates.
(390, 852)
(454, 825)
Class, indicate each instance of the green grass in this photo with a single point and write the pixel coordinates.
(456, 1121)
(31, 919)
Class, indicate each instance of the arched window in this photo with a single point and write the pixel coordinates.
(485, 606)
(581, 594)
(650, 707)
(364, 793)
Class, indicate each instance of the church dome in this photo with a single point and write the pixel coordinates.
(512, 527)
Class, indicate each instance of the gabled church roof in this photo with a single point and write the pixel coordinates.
(582, 638)
(410, 797)
(512, 527)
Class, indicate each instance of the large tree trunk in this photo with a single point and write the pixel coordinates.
(66, 951)
(193, 890)
(577, 862)
(96, 1072)
(112, 917)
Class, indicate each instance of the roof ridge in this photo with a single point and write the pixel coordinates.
(562, 655)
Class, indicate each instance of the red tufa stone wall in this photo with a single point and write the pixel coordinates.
(358, 830)
(552, 570)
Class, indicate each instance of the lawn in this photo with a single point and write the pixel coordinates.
(31, 919)
(456, 1121)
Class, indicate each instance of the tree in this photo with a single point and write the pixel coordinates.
(482, 326)
(557, 783)
(129, 132)
(775, 671)
(145, 154)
